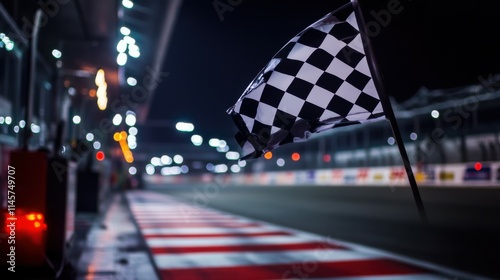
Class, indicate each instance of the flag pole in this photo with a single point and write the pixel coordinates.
(389, 112)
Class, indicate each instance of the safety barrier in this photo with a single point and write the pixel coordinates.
(467, 174)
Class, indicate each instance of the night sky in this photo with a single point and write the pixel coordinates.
(211, 62)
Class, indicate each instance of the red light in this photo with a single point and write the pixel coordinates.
(327, 158)
(478, 166)
(34, 216)
(295, 156)
(99, 156)
(26, 223)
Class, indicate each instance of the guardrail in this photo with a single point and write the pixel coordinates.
(467, 174)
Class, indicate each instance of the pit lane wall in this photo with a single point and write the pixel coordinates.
(468, 174)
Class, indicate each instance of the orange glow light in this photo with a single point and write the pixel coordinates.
(122, 139)
(268, 155)
(92, 93)
(100, 78)
(37, 224)
(117, 136)
(295, 156)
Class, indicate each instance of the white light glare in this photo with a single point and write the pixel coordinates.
(184, 127)
(9, 45)
(280, 162)
(16, 129)
(178, 159)
(223, 149)
(391, 140)
(132, 170)
(130, 120)
(242, 163)
(413, 136)
(435, 114)
(35, 128)
(222, 144)
(174, 170)
(76, 119)
(235, 168)
(131, 139)
(132, 131)
(184, 169)
(220, 168)
(131, 81)
(2, 119)
(132, 146)
(133, 51)
(56, 53)
(155, 161)
(150, 169)
(214, 142)
(97, 145)
(8, 120)
(210, 167)
(166, 160)
(129, 40)
(128, 4)
(89, 137)
(197, 140)
(232, 155)
(121, 47)
(125, 31)
(22, 123)
(121, 59)
(117, 119)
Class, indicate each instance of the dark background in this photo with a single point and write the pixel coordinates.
(436, 44)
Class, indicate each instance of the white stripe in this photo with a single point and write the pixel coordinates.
(207, 230)
(173, 219)
(183, 215)
(184, 208)
(170, 206)
(387, 277)
(179, 209)
(188, 221)
(216, 241)
(168, 211)
(158, 213)
(176, 206)
(228, 259)
(187, 217)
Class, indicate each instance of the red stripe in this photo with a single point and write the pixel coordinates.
(194, 225)
(304, 270)
(236, 234)
(240, 248)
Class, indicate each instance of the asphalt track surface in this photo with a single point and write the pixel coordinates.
(463, 232)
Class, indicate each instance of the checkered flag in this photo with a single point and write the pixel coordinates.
(317, 81)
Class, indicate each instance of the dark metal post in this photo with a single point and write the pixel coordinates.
(389, 113)
(31, 78)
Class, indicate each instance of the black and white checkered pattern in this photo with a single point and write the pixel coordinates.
(318, 80)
